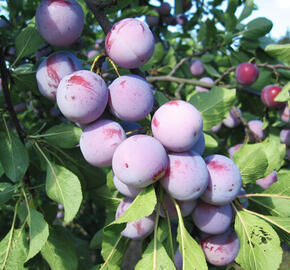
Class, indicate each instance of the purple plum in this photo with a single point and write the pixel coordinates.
(196, 67)
(124, 189)
(203, 89)
(267, 181)
(256, 126)
(232, 120)
(285, 136)
(233, 149)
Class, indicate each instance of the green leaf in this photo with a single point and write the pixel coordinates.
(281, 187)
(279, 51)
(27, 42)
(161, 98)
(6, 192)
(211, 70)
(59, 250)
(282, 223)
(63, 135)
(258, 27)
(13, 254)
(210, 142)
(284, 95)
(109, 182)
(64, 187)
(214, 105)
(259, 242)
(247, 10)
(252, 162)
(177, 7)
(142, 206)
(13, 156)
(157, 56)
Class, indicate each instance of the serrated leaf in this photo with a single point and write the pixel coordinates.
(257, 28)
(59, 250)
(64, 187)
(258, 241)
(214, 106)
(279, 51)
(284, 95)
(13, 156)
(252, 162)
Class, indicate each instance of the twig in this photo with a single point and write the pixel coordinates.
(178, 90)
(178, 65)
(274, 68)
(227, 72)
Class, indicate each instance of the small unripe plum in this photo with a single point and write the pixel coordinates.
(132, 126)
(164, 9)
(212, 219)
(233, 149)
(92, 53)
(177, 125)
(225, 180)
(181, 19)
(178, 260)
(60, 206)
(186, 207)
(82, 96)
(199, 146)
(52, 69)
(196, 67)
(247, 74)
(60, 22)
(268, 95)
(256, 126)
(232, 120)
(152, 20)
(59, 215)
(221, 249)
(138, 229)
(267, 181)
(203, 89)
(216, 128)
(99, 142)
(140, 161)
(187, 176)
(130, 43)
(131, 98)
(124, 189)
(285, 114)
(285, 136)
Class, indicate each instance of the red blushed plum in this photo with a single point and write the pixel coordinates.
(199, 146)
(256, 126)
(225, 180)
(177, 125)
(186, 207)
(232, 120)
(187, 176)
(196, 67)
(203, 89)
(268, 95)
(124, 189)
(131, 98)
(140, 161)
(132, 126)
(285, 136)
(212, 219)
(60, 22)
(130, 43)
(52, 69)
(221, 249)
(82, 96)
(285, 114)
(138, 229)
(233, 149)
(247, 73)
(267, 181)
(178, 260)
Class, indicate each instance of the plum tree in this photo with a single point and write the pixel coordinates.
(187, 176)
(140, 161)
(199, 146)
(52, 69)
(256, 126)
(221, 249)
(99, 141)
(130, 98)
(82, 96)
(60, 22)
(177, 115)
(138, 229)
(196, 67)
(224, 182)
(232, 120)
(267, 181)
(124, 189)
(268, 95)
(203, 89)
(212, 219)
(285, 136)
(123, 46)
(233, 149)
(247, 73)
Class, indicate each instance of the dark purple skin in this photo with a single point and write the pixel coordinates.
(285, 114)
(212, 219)
(232, 120)
(181, 19)
(247, 73)
(267, 181)
(256, 126)
(169, 20)
(19, 108)
(221, 249)
(164, 9)
(199, 146)
(152, 20)
(285, 136)
(196, 67)
(233, 149)
(138, 229)
(178, 260)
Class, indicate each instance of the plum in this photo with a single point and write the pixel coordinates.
(140, 161)
(131, 98)
(216, 128)
(186, 5)
(52, 69)
(256, 126)
(268, 95)
(225, 180)
(187, 176)
(203, 89)
(267, 181)
(233, 149)
(82, 96)
(152, 20)
(92, 53)
(99, 141)
(232, 120)
(196, 67)
(164, 9)
(285, 136)
(181, 19)
(199, 146)
(177, 125)
(247, 73)
(60, 22)
(130, 43)
(138, 229)
(124, 189)
(178, 260)
(285, 114)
